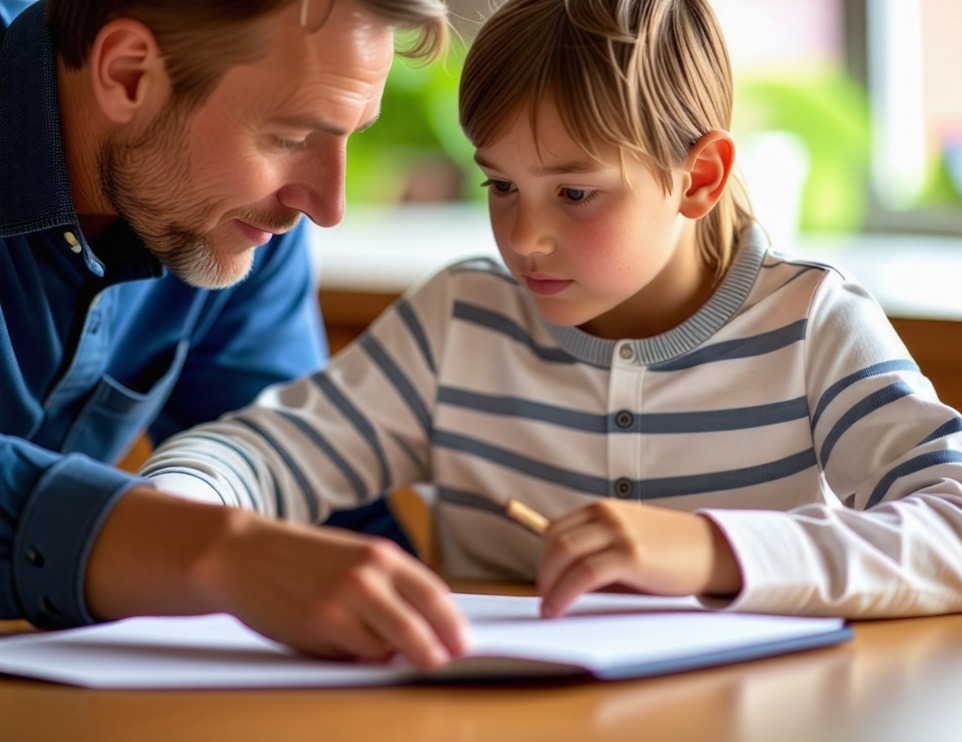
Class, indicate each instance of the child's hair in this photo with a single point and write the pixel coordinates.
(648, 76)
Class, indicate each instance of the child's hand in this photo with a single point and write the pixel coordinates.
(643, 548)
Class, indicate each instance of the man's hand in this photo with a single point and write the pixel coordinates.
(324, 591)
(642, 548)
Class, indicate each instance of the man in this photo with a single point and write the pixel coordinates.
(148, 151)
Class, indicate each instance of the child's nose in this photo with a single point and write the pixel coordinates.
(529, 234)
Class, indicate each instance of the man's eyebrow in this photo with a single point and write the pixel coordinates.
(564, 168)
(314, 123)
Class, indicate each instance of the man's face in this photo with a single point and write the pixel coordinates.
(204, 187)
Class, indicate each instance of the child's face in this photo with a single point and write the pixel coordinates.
(593, 249)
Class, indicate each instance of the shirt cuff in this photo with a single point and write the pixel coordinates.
(779, 572)
(56, 532)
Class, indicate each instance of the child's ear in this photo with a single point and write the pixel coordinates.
(706, 169)
(127, 72)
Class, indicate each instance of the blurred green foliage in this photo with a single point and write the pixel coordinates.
(418, 124)
(829, 114)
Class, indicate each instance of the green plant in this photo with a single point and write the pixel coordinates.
(418, 126)
(828, 112)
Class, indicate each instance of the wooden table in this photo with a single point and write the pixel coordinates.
(898, 680)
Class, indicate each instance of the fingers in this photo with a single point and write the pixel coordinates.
(410, 609)
(648, 549)
(431, 597)
(591, 573)
(567, 540)
(581, 555)
(332, 593)
(402, 605)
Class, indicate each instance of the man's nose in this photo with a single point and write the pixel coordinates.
(316, 186)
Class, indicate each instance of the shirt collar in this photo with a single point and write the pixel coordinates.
(35, 189)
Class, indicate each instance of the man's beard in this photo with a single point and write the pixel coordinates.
(146, 181)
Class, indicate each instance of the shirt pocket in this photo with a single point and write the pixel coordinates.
(115, 415)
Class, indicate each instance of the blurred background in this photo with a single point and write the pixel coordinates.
(848, 118)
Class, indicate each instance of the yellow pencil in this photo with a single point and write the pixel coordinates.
(526, 516)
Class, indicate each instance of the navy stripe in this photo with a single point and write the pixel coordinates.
(530, 467)
(523, 408)
(756, 345)
(649, 488)
(469, 500)
(218, 441)
(411, 453)
(401, 383)
(279, 504)
(353, 415)
(508, 327)
(738, 418)
(342, 464)
(864, 408)
(950, 428)
(240, 451)
(646, 423)
(416, 329)
(917, 464)
(727, 480)
(839, 386)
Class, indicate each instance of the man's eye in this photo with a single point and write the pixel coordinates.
(291, 145)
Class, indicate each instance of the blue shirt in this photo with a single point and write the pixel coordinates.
(98, 343)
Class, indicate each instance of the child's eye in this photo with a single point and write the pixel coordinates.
(498, 187)
(576, 195)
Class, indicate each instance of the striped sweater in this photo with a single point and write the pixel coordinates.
(787, 410)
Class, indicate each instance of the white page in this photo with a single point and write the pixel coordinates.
(219, 652)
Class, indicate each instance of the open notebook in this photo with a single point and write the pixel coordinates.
(605, 636)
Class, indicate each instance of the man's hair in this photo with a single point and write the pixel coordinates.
(202, 39)
(650, 77)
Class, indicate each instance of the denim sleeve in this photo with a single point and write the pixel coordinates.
(51, 509)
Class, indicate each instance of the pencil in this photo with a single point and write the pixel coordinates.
(526, 516)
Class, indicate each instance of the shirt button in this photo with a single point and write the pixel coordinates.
(624, 419)
(624, 488)
(72, 240)
(34, 557)
(627, 352)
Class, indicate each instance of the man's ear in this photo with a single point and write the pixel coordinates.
(707, 169)
(127, 72)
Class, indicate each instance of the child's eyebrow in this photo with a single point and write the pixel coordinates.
(564, 168)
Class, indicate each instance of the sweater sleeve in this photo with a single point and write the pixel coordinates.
(888, 543)
(334, 440)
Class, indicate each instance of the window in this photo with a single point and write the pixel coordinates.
(865, 97)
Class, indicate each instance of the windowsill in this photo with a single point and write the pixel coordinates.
(385, 250)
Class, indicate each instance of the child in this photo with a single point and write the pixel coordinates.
(694, 412)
